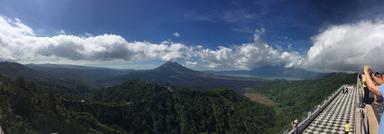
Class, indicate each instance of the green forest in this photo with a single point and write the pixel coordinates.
(132, 107)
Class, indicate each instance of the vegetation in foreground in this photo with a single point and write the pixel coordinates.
(132, 107)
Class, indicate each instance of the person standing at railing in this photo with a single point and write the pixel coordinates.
(379, 80)
(375, 89)
(347, 127)
(345, 90)
(294, 125)
(366, 90)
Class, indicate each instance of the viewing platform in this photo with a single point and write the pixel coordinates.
(335, 115)
(330, 116)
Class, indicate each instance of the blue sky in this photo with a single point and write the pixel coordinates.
(287, 25)
(207, 22)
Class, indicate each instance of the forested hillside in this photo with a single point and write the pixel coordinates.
(165, 109)
(133, 107)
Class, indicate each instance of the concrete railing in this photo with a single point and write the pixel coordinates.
(364, 128)
(311, 116)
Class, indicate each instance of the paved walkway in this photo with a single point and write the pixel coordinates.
(334, 116)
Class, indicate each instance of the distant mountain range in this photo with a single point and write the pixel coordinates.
(16, 71)
(90, 76)
(168, 73)
(273, 72)
(95, 77)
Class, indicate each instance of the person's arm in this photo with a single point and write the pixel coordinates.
(377, 80)
(370, 84)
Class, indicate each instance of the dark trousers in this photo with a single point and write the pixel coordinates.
(366, 95)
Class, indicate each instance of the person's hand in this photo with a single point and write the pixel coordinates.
(367, 69)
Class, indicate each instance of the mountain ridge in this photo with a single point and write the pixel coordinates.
(178, 75)
(94, 77)
(273, 72)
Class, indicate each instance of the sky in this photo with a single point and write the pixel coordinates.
(317, 35)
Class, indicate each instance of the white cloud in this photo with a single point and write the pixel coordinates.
(19, 43)
(191, 63)
(347, 47)
(248, 56)
(176, 34)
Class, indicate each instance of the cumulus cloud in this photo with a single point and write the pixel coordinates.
(249, 55)
(18, 42)
(347, 47)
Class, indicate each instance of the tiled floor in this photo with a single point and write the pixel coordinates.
(334, 116)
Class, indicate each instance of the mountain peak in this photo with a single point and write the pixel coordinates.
(175, 67)
(171, 64)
